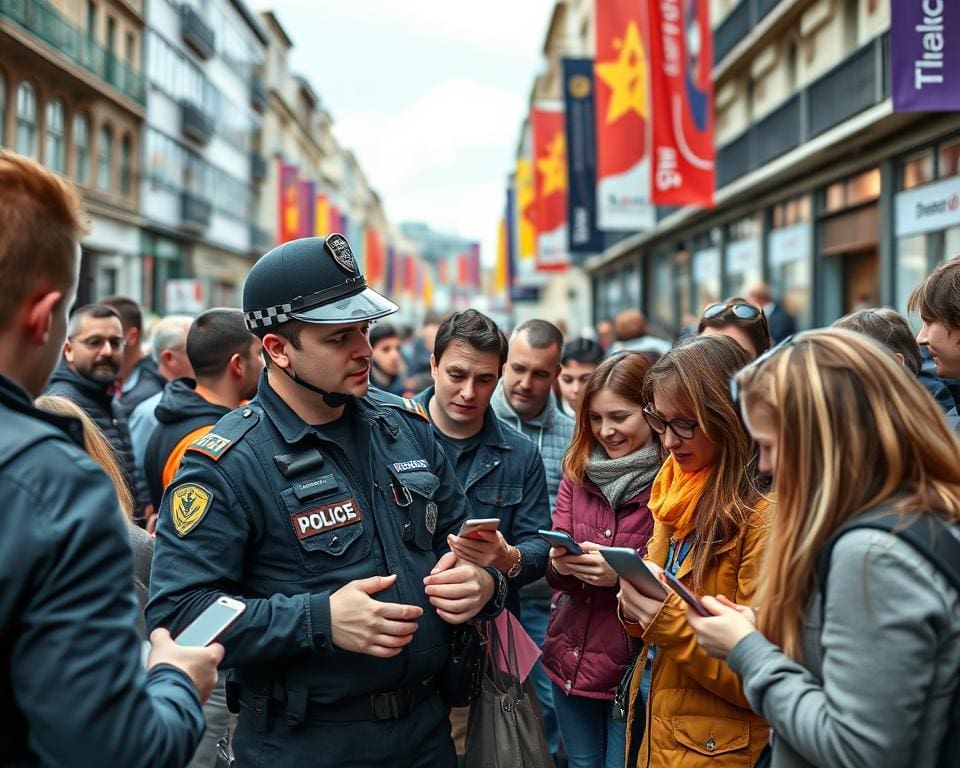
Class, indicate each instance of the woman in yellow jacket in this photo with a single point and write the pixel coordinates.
(710, 525)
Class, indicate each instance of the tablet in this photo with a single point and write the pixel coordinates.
(629, 565)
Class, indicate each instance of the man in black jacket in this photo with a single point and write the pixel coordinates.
(72, 687)
(92, 355)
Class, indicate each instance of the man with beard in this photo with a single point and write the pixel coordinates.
(92, 355)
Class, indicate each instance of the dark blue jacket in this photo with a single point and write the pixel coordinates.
(72, 689)
(258, 511)
(504, 478)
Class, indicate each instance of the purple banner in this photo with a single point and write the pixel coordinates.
(925, 55)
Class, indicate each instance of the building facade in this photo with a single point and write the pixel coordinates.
(72, 96)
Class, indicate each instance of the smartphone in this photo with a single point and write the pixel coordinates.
(630, 566)
(213, 622)
(470, 527)
(561, 540)
(685, 594)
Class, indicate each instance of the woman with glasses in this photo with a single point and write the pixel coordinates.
(602, 501)
(685, 707)
(857, 657)
(739, 320)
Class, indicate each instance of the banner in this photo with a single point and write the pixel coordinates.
(525, 227)
(582, 232)
(925, 55)
(321, 216)
(306, 207)
(550, 180)
(622, 108)
(288, 216)
(374, 263)
(681, 88)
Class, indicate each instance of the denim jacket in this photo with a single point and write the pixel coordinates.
(504, 478)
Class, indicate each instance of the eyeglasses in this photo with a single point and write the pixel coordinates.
(743, 311)
(735, 381)
(682, 428)
(95, 343)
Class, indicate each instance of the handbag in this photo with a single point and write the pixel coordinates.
(459, 679)
(505, 726)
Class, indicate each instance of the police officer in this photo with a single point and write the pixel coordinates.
(325, 507)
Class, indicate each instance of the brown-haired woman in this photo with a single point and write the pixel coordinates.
(602, 501)
(710, 526)
(739, 320)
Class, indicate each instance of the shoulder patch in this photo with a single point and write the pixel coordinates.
(188, 504)
(225, 433)
(405, 404)
(412, 406)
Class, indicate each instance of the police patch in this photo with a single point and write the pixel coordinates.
(211, 444)
(413, 465)
(431, 517)
(328, 517)
(188, 504)
(338, 247)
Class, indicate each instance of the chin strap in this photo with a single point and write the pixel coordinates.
(332, 399)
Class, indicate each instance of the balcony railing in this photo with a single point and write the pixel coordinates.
(855, 84)
(195, 212)
(258, 166)
(258, 94)
(737, 25)
(194, 123)
(45, 23)
(196, 33)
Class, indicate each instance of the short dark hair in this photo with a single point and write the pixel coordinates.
(131, 316)
(540, 334)
(581, 350)
(473, 328)
(96, 311)
(214, 337)
(938, 296)
(889, 328)
(382, 331)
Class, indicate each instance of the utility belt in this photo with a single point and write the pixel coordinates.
(265, 699)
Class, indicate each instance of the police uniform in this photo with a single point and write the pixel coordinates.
(281, 514)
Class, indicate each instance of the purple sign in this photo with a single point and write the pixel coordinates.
(925, 55)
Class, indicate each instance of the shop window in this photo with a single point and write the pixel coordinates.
(949, 164)
(864, 187)
(105, 158)
(126, 165)
(911, 267)
(55, 151)
(916, 170)
(81, 149)
(27, 120)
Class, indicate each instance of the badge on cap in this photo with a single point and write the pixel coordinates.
(188, 505)
(338, 247)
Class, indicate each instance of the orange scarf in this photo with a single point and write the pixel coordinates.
(675, 495)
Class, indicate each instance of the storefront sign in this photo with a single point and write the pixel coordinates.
(706, 265)
(925, 55)
(743, 256)
(790, 244)
(929, 208)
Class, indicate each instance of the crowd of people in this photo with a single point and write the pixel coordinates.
(311, 459)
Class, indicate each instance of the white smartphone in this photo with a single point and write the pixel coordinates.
(470, 527)
(213, 622)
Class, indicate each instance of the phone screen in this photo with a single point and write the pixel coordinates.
(685, 594)
(209, 624)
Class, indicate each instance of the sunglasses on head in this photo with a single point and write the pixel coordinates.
(741, 310)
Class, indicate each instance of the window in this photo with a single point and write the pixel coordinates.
(917, 170)
(126, 165)
(130, 50)
(54, 156)
(91, 20)
(949, 159)
(27, 120)
(112, 35)
(81, 149)
(3, 105)
(105, 158)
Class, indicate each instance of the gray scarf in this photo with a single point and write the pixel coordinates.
(622, 479)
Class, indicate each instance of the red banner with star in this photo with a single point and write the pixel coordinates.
(621, 82)
(681, 90)
(550, 187)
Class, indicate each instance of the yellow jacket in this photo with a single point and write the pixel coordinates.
(699, 716)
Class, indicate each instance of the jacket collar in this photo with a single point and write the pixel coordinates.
(98, 392)
(545, 420)
(490, 433)
(14, 397)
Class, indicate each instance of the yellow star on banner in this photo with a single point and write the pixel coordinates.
(627, 76)
(553, 166)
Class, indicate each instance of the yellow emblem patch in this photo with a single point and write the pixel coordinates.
(188, 505)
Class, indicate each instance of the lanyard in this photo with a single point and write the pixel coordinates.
(685, 547)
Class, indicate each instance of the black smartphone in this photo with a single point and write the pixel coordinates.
(630, 566)
(561, 540)
(685, 594)
(213, 622)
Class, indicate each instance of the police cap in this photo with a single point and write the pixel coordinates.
(313, 279)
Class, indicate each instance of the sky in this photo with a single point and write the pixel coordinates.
(429, 94)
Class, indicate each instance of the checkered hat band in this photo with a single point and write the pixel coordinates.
(264, 318)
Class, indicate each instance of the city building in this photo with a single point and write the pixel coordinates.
(72, 96)
(202, 169)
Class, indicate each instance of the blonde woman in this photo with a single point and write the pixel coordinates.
(709, 530)
(866, 675)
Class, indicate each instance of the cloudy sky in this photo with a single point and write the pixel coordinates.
(428, 93)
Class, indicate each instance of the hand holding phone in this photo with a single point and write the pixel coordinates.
(470, 527)
(561, 540)
(213, 622)
(685, 594)
(630, 566)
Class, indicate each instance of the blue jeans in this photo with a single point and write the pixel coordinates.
(593, 739)
(534, 616)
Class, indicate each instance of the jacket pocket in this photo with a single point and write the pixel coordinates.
(499, 497)
(413, 492)
(328, 534)
(723, 738)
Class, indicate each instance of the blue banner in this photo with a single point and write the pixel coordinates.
(583, 235)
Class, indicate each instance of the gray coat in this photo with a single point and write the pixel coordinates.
(879, 670)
